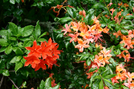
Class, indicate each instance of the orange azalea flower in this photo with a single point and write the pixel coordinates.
(41, 65)
(118, 34)
(66, 29)
(129, 85)
(99, 60)
(105, 52)
(98, 45)
(95, 20)
(32, 59)
(74, 37)
(48, 54)
(120, 68)
(53, 84)
(119, 4)
(82, 27)
(81, 45)
(127, 42)
(114, 80)
(59, 6)
(22, 1)
(82, 13)
(75, 26)
(34, 50)
(130, 81)
(121, 72)
(110, 4)
(105, 87)
(105, 30)
(125, 54)
(112, 10)
(97, 36)
(126, 5)
(89, 75)
(107, 16)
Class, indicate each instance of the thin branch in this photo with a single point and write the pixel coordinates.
(1, 80)
(13, 82)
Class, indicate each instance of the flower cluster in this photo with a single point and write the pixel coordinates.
(99, 61)
(42, 55)
(84, 34)
(123, 75)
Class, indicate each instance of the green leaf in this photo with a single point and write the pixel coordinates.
(117, 27)
(8, 49)
(98, 5)
(18, 51)
(109, 76)
(24, 85)
(37, 30)
(84, 56)
(18, 65)
(48, 83)
(129, 17)
(5, 73)
(56, 87)
(3, 42)
(12, 1)
(28, 43)
(113, 62)
(12, 38)
(124, 12)
(128, 27)
(42, 86)
(15, 59)
(91, 57)
(41, 40)
(65, 19)
(92, 69)
(101, 84)
(124, 32)
(115, 13)
(27, 30)
(71, 12)
(2, 49)
(3, 32)
(43, 34)
(67, 44)
(2, 65)
(88, 62)
(18, 1)
(13, 28)
(5, 0)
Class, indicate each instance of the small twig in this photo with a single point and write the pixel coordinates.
(13, 82)
(1, 80)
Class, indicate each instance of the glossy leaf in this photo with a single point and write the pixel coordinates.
(18, 65)
(13, 28)
(48, 82)
(12, 1)
(5, 73)
(37, 30)
(101, 86)
(15, 59)
(27, 30)
(8, 49)
(3, 42)
(65, 19)
(109, 76)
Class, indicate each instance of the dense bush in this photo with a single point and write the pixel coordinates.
(71, 44)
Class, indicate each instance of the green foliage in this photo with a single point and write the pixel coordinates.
(47, 84)
(23, 22)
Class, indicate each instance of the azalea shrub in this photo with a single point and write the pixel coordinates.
(81, 45)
